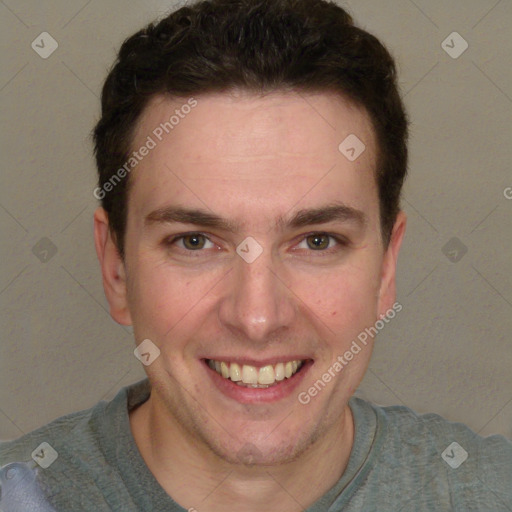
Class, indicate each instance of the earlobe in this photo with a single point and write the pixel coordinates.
(112, 268)
(387, 293)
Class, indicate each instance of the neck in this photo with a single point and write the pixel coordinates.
(194, 476)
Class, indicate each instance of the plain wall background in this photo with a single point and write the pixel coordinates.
(449, 351)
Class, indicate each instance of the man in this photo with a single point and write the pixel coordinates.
(251, 155)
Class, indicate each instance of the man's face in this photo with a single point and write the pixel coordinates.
(263, 165)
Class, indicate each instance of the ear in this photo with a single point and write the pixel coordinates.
(112, 269)
(387, 292)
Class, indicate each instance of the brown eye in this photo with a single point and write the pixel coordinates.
(194, 242)
(318, 241)
(322, 244)
(190, 245)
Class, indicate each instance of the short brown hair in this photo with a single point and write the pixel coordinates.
(259, 46)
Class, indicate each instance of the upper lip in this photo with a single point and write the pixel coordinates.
(258, 362)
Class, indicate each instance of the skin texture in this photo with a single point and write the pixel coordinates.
(250, 160)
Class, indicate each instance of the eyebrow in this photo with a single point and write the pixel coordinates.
(336, 212)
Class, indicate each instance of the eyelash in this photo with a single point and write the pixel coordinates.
(340, 241)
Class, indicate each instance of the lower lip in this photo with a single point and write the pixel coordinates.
(247, 395)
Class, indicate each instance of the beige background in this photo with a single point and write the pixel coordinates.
(449, 351)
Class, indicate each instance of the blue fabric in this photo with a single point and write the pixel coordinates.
(20, 490)
(400, 461)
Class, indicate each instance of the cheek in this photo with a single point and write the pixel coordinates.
(161, 298)
(345, 299)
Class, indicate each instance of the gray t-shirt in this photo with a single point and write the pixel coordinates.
(399, 462)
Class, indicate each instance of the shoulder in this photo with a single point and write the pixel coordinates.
(73, 462)
(442, 460)
(65, 431)
(38, 466)
(432, 432)
(79, 432)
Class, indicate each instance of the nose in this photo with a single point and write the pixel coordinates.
(258, 306)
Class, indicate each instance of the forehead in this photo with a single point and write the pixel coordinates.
(273, 149)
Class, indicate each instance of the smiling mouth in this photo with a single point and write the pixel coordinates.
(254, 377)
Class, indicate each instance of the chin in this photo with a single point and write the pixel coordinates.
(263, 448)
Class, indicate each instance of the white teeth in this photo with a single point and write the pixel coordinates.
(250, 376)
(224, 370)
(234, 372)
(267, 375)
